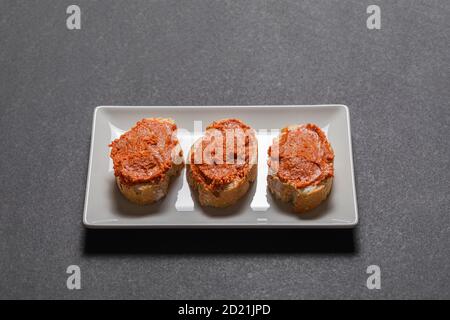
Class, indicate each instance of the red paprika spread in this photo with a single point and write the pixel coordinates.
(302, 157)
(224, 154)
(144, 154)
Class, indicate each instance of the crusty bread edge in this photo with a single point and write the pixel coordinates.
(227, 196)
(303, 199)
(148, 193)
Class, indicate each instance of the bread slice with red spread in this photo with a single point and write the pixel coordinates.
(146, 158)
(223, 163)
(301, 167)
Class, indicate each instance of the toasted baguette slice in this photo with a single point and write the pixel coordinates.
(140, 183)
(226, 194)
(306, 181)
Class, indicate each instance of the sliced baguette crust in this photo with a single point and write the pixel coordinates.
(148, 193)
(303, 199)
(151, 192)
(229, 195)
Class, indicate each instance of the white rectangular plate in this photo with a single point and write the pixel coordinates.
(105, 207)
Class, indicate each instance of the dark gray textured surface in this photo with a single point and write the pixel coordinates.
(396, 82)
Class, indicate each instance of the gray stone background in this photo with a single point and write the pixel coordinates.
(396, 82)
